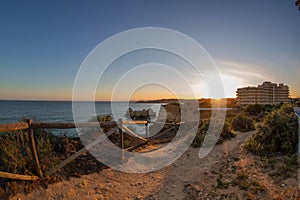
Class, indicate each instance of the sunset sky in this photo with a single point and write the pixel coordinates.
(43, 44)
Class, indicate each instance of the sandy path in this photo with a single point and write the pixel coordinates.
(168, 183)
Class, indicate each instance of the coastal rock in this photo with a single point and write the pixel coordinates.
(140, 114)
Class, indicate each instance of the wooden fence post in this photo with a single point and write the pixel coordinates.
(33, 148)
(175, 128)
(146, 130)
(121, 137)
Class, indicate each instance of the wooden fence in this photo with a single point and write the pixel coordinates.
(30, 126)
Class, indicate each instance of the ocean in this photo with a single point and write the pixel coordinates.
(12, 111)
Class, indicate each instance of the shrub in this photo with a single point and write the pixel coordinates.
(15, 153)
(212, 138)
(227, 131)
(277, 133)
(100, 118)
(16, 156)
(198, 140)
(104, 118)
(255, 109)
(254, 146)
(242, 123)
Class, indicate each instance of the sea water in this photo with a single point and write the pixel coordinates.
(61, 111)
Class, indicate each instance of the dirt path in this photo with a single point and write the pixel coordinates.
(176, 181)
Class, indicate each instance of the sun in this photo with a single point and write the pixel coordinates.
(230, 85)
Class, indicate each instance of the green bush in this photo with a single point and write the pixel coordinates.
(277, 133)
(255, 109)
(15, 153)
(104, 118)
(212, 138)
(100, 118)
(227, 131)
(16, 156)
(242, 123)
(254, 146)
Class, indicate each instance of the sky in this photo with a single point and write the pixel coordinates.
(44, 43)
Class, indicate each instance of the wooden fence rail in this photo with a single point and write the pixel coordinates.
(70, 125)
(13, 127)
(18, 176)
(80, 152)
(30, 125)
(60, 125)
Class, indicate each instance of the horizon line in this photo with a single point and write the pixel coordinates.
(114, 100)
(103, 100)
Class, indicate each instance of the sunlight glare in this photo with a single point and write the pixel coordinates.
(230, 84)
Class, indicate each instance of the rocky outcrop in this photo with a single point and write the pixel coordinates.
(140, 114)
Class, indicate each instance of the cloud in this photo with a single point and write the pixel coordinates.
(233, 76)
(249, 73)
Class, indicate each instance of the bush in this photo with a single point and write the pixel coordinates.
(212, 138)
(242, 123)
(277, 133)
(16, 156)
(15, 153)
(100, 118)
(227, 131)
(255, 109)
(254, 146)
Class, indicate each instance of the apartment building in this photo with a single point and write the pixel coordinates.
(266, 93)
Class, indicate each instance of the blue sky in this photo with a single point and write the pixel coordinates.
(43, 43)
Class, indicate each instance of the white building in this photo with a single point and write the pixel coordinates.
(266, 93)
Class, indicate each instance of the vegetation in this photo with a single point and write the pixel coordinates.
(277, 133)
(102, 118)
(16, 156)
(258, 112)
(284, 167)
(255, 109)
(244, 182)
(242, 123)
(241, 180)
(226, 133)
